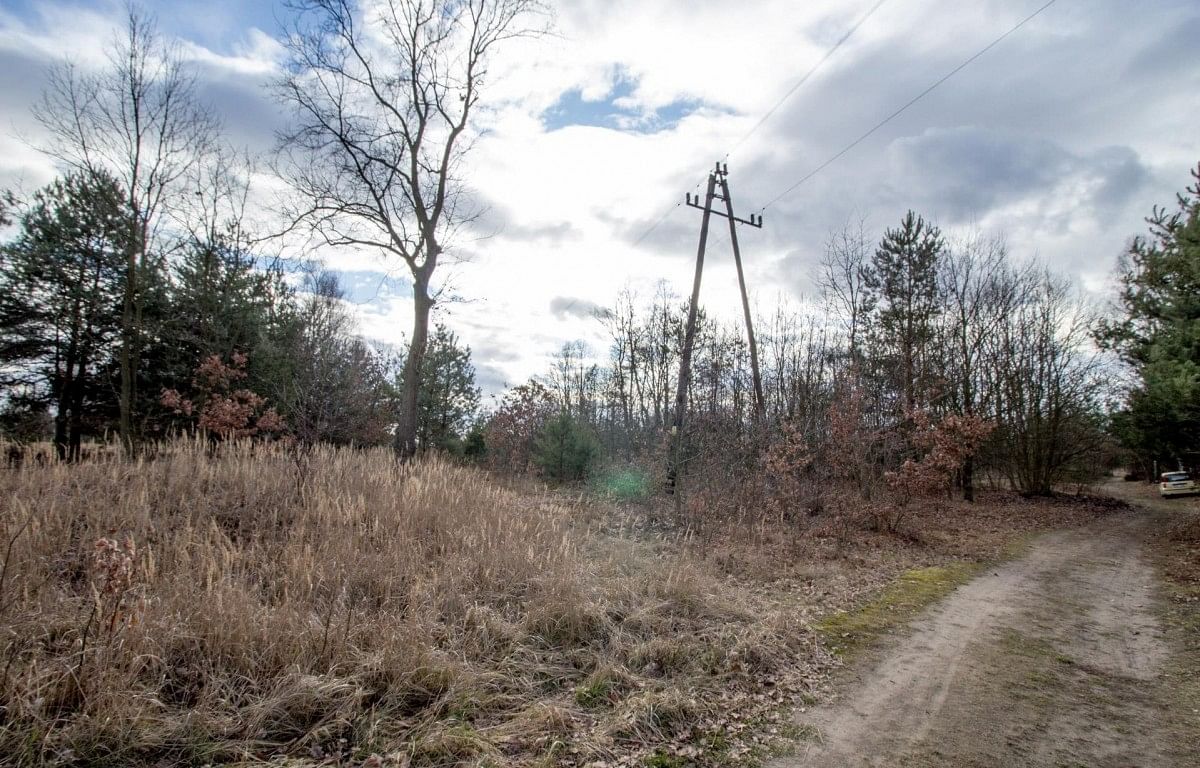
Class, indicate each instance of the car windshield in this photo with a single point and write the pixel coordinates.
(1174, 477)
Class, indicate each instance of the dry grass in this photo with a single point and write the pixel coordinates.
(251, 606)
(1176, 553)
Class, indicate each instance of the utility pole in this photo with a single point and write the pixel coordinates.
(760, 408)
(719, 176)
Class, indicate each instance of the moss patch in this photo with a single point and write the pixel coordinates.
(849, 632)
(661, 759)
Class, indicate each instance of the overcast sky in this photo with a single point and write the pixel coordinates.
(1061, 138)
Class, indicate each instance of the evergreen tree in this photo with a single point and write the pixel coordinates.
(475, 442)
(62, 281)
(565, 449)
(18, 342)
(448, 396)
(1159, 334)
(220, 301)
(902, 282)
(223, 303)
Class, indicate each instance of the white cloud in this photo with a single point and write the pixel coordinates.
(258, 55)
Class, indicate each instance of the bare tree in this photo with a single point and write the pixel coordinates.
(383, 95)
(1047, 385)
(138, 120)
(575, 381)
(338, 391)
(979, 291)
(799, 373)
(842, 276)
(218, 207)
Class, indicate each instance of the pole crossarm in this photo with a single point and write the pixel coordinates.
(696, 202)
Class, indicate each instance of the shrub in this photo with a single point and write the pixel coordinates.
(218, 407)
(510, 433)
(945, 446)
(474, 445)
(788, 463)
(565, 448)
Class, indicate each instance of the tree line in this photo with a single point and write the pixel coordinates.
(915, 341)
(151, 207)
(224, 337)
(912, 330)
(137, 297)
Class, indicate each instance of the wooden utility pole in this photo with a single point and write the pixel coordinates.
(719, 176)
(760, 408)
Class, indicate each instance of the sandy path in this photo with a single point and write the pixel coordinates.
(1051, 660)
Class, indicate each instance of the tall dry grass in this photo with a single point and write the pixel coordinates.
(197, 608)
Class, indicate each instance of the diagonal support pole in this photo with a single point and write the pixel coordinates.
(689, 339)
(760, 409)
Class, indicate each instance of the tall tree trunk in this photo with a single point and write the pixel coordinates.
(75, 438)
(60, 429)
(125, 423)
(75, 425)
(405, 442)
(65, 386)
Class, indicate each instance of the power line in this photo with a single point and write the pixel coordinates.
(775, 108)
(654, 226)
(849, 33)
(908, 104)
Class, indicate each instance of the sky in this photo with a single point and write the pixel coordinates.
(1060, 139)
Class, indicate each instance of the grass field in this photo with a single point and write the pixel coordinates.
(199, 609)
(338, 608)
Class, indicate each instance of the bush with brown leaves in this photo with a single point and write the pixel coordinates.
(221, 408)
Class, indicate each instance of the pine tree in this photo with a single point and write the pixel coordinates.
(565, 449)
(448, 397)
(1159, 334)
(903, 287)
(62, 280)
(220, 300)
(222, 303)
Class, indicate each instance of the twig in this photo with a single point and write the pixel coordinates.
(87, 628)
(328, 621)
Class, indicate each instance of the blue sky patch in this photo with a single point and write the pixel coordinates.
(369, 287)
(613, 111)
(215, 24)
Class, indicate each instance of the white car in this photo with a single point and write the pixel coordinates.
(1176, 484)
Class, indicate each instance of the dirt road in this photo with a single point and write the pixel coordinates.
(1055, 659)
